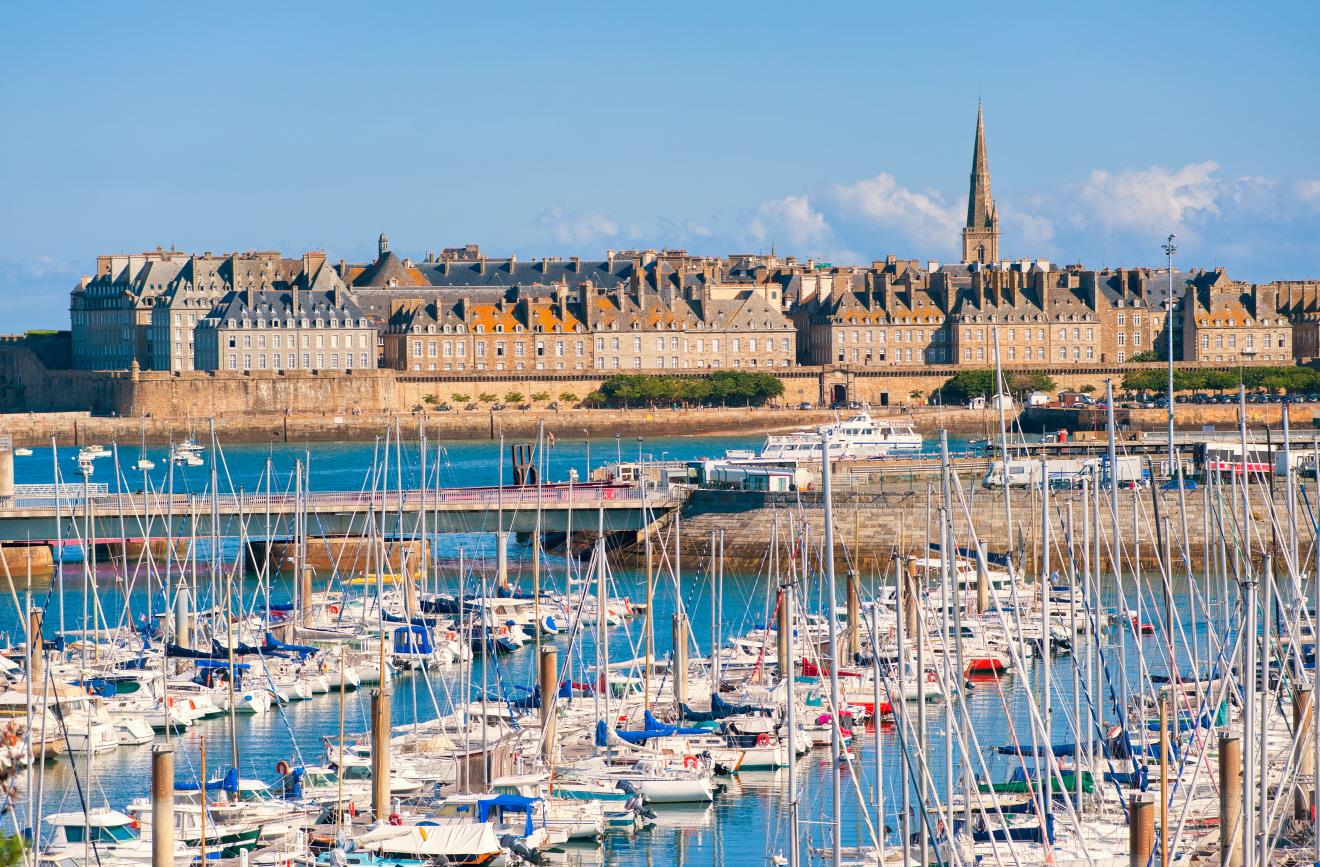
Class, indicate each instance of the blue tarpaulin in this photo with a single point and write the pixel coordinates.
(515, 803)
(274, 645)
(228, 784)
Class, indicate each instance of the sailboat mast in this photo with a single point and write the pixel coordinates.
(836, 792)
(790, 722)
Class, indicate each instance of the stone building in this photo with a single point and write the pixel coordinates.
(1003, 309)
(545, 334)
(591, 329)
(1299, 300)
(202, 283)
(294, 327)
(110, 311)
(1228, 321)
(885, 316)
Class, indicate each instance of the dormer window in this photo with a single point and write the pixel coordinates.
(304, 322)
(480, 329)
(499, 329)
(430, 329)
(233, 323)
(318, 323)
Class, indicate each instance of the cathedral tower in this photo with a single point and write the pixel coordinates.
(980, 236)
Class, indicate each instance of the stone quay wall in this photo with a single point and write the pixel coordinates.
(870, 528)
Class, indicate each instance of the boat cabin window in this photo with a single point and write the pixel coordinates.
(356, 772)
(100, 834)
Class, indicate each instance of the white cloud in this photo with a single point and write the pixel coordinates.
(925, 219)
(577, 229)
(1034, 232)
(1308, 190)
(1151, 200)
(790, 222)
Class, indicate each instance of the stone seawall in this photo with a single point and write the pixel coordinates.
(870, 528)
(1189, 416)
(37, 429)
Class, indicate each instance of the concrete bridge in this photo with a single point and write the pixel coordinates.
(42, 514)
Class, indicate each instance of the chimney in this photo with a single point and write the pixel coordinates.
(513, 263)
(577, 264)
(481, 265)
(312, 263)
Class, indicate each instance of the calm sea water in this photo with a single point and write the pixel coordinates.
(747, 822)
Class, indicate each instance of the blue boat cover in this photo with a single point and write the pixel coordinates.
(228, 784)
(515, 803)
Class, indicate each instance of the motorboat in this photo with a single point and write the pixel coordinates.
(859, 438)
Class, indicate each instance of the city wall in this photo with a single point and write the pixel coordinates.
(110, 406)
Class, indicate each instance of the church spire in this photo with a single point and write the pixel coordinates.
(981, 234)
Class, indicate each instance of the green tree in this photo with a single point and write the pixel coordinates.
(460, 398)
(1143, 380)
(11, 851)
(540, 397)
(567, 397)
(1087, 389)
(487, 397)
(513, 397)
(595, 398)
(430, 399)
(967, 384)
(1021, 383)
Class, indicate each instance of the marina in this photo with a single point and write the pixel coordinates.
(533, 691)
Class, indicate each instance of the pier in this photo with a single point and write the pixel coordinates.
(48, 515)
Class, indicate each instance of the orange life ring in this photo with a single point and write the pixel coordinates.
(282, 768)
(763, 740)
(333, 609)
(690, 762)
(931, 677)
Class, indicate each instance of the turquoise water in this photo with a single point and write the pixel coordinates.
(746, 823)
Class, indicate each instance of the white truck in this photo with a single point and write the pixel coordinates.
(1063, 472)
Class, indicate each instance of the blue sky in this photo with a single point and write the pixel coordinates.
(841, 131)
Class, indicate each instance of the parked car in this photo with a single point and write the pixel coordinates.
(804, 405)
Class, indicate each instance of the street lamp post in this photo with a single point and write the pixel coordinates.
(1169, 249)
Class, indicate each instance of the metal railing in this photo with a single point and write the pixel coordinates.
(512, 498)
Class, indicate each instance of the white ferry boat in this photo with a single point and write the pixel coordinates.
(859, 438)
